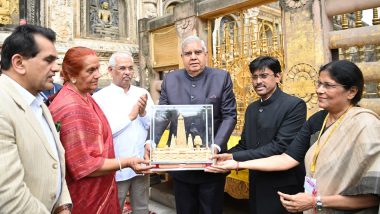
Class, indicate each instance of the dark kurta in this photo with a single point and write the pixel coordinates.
(270, 126)
(198, 191)
(212, 86)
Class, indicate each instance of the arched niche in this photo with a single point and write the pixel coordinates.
(106, 19)
(170, 5)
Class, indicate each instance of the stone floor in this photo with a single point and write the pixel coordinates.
(159, 208)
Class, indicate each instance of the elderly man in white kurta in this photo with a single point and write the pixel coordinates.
(125, 107)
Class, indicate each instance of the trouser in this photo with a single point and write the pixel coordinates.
(203, 198)
(138, 188)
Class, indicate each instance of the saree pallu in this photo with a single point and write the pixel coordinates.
(87, 139)
(349, 162)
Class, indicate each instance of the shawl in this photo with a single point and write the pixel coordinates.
(87, 138)
(349, 162)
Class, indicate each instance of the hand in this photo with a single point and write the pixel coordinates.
(138, 165)
(227, 164)
(216, 169)
(134, 112)
(142, 104)
(222, 167)
(147, 152)
(222, 157)
(297, 203)
(216, 151)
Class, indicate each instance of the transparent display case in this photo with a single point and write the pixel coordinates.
(181, 137)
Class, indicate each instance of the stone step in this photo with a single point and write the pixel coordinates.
(163, 193)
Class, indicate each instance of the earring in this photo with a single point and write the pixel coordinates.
(73, 81)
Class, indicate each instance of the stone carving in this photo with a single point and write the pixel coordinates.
(185, 27)
(103, 20)
(60, 20)
(150, 9)
(104, 13)
(92, 20)
(33, 15)
(9, 12)
(293, 4)
(115, 14)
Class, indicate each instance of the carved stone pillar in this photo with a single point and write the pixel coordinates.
(144, 54)
(60, 19)
(30, 11)
(305, 47)
(304, 38)
(149, 9)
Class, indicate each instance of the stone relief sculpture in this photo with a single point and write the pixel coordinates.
(104, 19)
(104, 13)
(34, 13)
(293, 4)
(185, 27)
(150, 9)
(9, 12)
(60, 21)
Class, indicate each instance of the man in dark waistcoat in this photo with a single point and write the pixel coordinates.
(270, 125)
(199, 191)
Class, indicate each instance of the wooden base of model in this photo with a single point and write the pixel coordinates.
(167, 155)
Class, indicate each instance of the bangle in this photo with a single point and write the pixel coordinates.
(318, 204)
(63, 207)
(118, 160)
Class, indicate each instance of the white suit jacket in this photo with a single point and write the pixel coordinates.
(28, 167)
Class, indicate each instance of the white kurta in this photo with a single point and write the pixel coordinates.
(128, 136)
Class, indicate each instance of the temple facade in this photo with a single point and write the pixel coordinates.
(103, 25)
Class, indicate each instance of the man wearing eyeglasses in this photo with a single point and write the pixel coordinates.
(270, 125)
(125, 107)
(199, 191)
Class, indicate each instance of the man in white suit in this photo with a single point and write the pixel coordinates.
(32, 163)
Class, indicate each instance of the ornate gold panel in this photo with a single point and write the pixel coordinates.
(300, 81)
(235, 44)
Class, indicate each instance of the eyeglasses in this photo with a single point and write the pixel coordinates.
(326, 85)
(190, 53)
(123, 68)
(261, 76)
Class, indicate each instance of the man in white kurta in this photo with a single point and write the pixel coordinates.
(125, 107)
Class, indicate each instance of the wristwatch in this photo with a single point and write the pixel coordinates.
(318, 204)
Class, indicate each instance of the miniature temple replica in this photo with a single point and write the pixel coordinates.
(182, 149)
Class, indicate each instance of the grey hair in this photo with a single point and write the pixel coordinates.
(191, 39)
(112, 60)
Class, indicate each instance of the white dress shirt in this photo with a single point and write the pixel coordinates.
(35, 103)
(128, 136)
